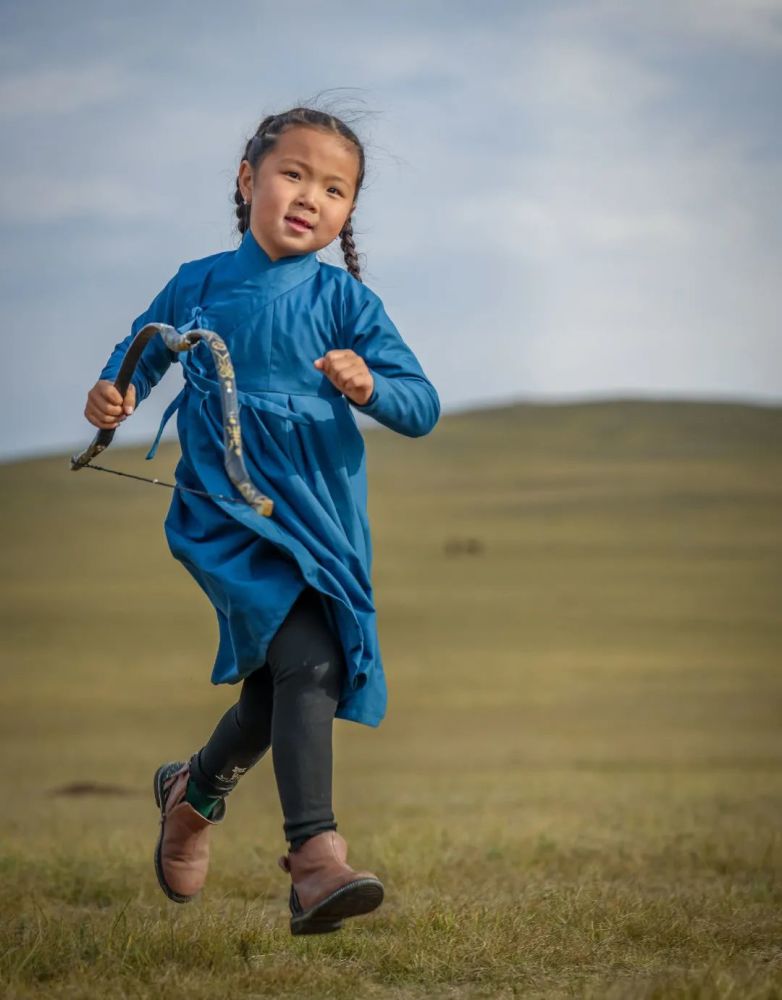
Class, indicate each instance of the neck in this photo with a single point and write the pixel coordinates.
(262, 244)
(272, 254)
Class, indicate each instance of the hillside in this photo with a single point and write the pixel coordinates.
(577, 787)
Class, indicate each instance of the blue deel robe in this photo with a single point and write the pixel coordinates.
(302, 448)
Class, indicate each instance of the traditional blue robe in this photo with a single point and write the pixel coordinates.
(302, 448)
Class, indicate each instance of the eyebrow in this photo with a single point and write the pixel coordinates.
(301, 163)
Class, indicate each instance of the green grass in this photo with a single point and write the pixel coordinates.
(577, 791)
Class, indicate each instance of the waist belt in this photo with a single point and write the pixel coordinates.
(204, 387)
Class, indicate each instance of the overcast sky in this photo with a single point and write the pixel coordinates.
(563, 200)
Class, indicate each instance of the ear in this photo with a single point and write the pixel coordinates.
(245, 179)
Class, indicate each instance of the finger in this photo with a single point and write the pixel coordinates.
(339, 352)
(103, 403)
(347, 377)
(335, 377)
(107, 409)
(129, 402)
(339, 366)
(350, 370)
(104, 425)
(333, 359)
(96, 415)
(108, 391)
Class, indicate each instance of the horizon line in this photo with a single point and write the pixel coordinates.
(461, 409)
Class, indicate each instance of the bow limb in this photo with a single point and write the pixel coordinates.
(229, 404)
(176, 341)
(104, 437)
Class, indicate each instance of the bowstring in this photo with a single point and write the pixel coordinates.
(160, 482)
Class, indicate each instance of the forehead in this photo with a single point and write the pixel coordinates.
(323, 151)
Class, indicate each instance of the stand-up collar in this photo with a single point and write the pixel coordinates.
(253, 261)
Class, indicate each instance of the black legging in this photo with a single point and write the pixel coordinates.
(288, 704)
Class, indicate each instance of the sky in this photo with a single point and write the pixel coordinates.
(564, 200)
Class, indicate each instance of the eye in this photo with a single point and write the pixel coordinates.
(336, 191)
(292, 173)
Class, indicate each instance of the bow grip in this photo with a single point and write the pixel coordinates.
(104, 437)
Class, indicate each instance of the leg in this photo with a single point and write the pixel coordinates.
(307, 667)
(191, 796)
(239, 741)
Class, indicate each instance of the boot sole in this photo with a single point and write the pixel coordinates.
(175, 897)
(352, 900)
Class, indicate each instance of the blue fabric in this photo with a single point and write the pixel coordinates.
(302, 448)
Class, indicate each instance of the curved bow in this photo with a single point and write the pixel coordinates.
(176, 341)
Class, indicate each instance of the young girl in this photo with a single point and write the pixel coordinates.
(292, 592)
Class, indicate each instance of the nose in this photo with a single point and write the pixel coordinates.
(306, 197)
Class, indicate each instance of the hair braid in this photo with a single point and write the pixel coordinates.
(348, 245)
(242, 208)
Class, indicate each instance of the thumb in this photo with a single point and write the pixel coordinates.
(129, 402)
(318, 363)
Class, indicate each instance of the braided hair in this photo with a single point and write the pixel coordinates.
(265, 138)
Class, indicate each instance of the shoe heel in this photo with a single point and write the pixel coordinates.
(156, 786)
(299, 926)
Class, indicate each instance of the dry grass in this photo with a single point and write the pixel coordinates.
(576, 792)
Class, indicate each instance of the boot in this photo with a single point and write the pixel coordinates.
(182, 852)
(324, 888)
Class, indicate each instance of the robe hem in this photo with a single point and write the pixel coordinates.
(373, 720)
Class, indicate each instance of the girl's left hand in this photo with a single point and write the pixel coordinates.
(349, 373)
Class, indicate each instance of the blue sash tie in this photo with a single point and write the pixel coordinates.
(168, 413)
(204, 386)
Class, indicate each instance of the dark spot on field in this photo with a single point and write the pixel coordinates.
(82, 788)
(463, 546)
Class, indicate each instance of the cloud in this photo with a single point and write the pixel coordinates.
(65, 91)
(746, 24)
(620, 235)
(565, 198)
(755, 24)
(45, 199)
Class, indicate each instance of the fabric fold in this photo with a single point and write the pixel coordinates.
(203, 386)
(301, 447)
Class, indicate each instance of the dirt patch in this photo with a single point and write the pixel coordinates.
(82, 788)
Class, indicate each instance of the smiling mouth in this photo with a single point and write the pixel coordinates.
(298, 223)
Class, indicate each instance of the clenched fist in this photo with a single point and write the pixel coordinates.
(349, 373)
(105, 407)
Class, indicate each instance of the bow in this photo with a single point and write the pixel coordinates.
(234, 462)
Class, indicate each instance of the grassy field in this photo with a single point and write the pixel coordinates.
(577, 791)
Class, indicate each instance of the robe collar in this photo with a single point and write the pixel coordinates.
(252, 261)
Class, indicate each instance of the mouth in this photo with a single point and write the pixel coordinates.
(298, 223)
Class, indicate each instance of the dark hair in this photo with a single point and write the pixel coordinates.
(264, 140)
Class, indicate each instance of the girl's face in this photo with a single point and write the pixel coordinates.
(302, 193)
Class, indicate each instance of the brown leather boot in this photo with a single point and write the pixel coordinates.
(182, 852)
(325, 889)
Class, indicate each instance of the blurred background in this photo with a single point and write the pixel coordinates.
(573, 215)
(563, 200)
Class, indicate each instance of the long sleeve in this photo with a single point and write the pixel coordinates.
(156, 357)
(403, 398)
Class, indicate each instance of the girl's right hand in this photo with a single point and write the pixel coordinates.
(105, 407)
